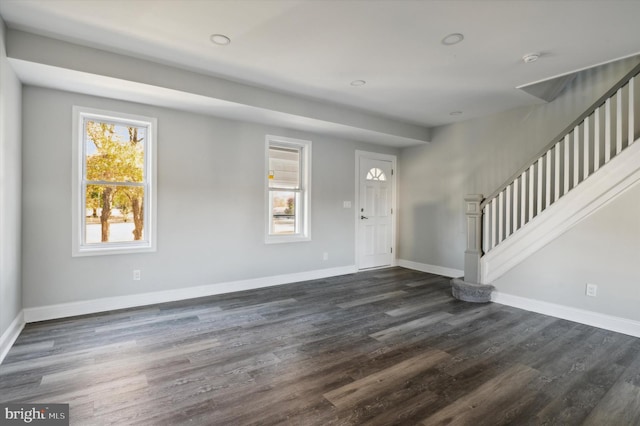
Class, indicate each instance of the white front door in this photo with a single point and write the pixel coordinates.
(375, 213)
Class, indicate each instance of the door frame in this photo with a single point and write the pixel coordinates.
(394, 202)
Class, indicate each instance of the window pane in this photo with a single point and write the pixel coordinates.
(376, 174)
(284, 167)
(114, 214)
(283, 212)
(114, 152)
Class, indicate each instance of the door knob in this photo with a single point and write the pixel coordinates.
(363, 217)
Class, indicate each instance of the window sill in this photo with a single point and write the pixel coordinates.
(118, 249)
(275, 239)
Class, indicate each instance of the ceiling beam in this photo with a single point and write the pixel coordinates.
(47, 62)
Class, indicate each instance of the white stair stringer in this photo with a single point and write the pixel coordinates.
(595, 191)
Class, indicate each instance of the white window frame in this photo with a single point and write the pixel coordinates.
(303, 209)
(78, 216)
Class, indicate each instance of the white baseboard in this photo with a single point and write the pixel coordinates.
(10, 335)
(42, 313)
(595, 319)
(432, 269)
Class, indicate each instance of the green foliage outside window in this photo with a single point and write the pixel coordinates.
(118, 157)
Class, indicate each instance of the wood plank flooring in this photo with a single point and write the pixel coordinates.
(385, 347)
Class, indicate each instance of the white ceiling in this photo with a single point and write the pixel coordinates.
(315, 48)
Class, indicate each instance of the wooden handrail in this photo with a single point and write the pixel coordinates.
(621, 83)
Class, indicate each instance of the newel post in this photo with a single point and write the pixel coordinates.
(468, 288)
(474, 238)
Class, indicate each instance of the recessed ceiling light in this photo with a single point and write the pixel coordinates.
(531, 57)
(452, 39)
(220, 39)
(358, 83)
(455, 113)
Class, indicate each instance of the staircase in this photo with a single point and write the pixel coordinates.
(594, 159)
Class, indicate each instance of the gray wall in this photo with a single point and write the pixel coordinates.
(603, 249)
(476, 157)
(210, 205)
(10, 184)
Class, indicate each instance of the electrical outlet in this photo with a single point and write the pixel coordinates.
(136, 274)
(592, 290)
(325, 256)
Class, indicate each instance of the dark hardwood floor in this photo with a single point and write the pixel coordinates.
(385, 347)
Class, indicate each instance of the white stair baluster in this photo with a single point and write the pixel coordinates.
(556, 174)
(523, 198)
(539, 194)
(507, 222)
(607, 130)
(576, 156)
(531, 194)
(485, 229)
(619, 121)
(494, 209)
(585, 172)
(515, 204)
(567, 142)
(596, 140)
(500, 216)
(547, 199)
(631, 111)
